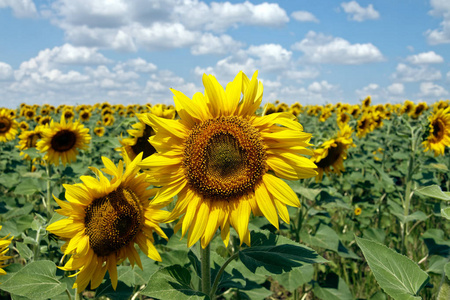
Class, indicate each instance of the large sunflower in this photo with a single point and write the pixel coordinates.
(333, 152)
(105, 220)
(4, 243)
(62, 140)
(439, 134)
(8, 126)
(221, 160)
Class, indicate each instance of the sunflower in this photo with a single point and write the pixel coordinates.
(219, 158)
(407, 107)
(342, 118)
(439, 133)
(68, 114)
(8, 126)
(4, 243)
(24, 126)
(357, 211)
(366, 103)
(108, 120)
(29, 113)
(333, 152)
(138, 142)
(99, 131)
(29, 139)
(364, 125)
(105, 220)
(62, 140)
(45, 120)
(85, 115)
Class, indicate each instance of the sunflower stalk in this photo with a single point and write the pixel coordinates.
(205, 259)
(49, 191)
(219, 275)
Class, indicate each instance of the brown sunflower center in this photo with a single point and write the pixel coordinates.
(5, 124)
(63, 140)
(224, 158)
(32, 140)
(113, 221)
(142, 144)
(333, 155)
(438, 129)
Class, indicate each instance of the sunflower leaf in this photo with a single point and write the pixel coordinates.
(36, 280)
(434, 191)
(173, 282)
(396, 274)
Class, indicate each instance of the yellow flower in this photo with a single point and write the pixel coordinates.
(366, 103)
(4, 243)
(29, 139)
(219, 158)
(333, 152)
(62, 140)
(439, 134)
(358, 211)
(104, 221)
(99, 131)
(8, 126)
(85, 115)
(364, 125)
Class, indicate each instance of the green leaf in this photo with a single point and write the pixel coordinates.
(434, 191)
(415, 216)
(340, 292)
(375, 234)
(295, 278)
(396, 274)
(325, 237)
(28, 186)
(447, 270)
(172, 282)
(36, 280)
(446, 212)
(24, 251)
(436, 243)
(278, 259)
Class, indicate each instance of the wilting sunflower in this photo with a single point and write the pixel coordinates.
(333, 152)
(8, 126)
(139, 135)
(105, 219)
(439, 133)
(219, 158)
(29, 139)
(4, 243)
(62, 140)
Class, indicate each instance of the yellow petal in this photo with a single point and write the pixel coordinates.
(280, 190)
(266, 205)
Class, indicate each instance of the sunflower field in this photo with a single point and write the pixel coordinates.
(225, 196)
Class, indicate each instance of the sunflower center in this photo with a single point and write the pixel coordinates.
(224, 158)
(142, 144)
(63, 140)
(5, 124)
(113, 221)
(438, 129)
(333, 155)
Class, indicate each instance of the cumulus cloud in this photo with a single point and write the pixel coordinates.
(6, 71)
(441, 35)
(20, 8)
(320, 48)
(396, 88)
(160, 24)
(429, 89)
(429, 57)
(357, 13)
(407, 73)
(304, 16)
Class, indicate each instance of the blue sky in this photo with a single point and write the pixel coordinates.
(311, 52)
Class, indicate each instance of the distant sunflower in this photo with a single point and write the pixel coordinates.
(108, 120)
(333, 152)
(342, 119)
(439, 133)
(29, 139)
(68, 114)
(29, 113)
(99, 131)
(364, 125)
(141, 132)
(105, 220)
(408, 107)
(366, 103)
(8, 126)
(85, 115)
(24, 126)
(219, 158)
(45, 120)
(4, 243)
(62, 140)
(357, 211)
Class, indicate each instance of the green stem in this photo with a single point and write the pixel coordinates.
(219, 274)
(68, 295)
(49, 191)
(205, 258)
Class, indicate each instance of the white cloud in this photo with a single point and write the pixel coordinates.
(211, 44)
(20, 8)
(440, 8)
(320, 48)
(357, 13)
(6, 71)
(396, 88)
(429, 89)
(320, 87)
(407, 73)
(271, 56)
(137, 65)
(304, 16)
(429, 57)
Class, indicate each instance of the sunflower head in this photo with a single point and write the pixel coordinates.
(4, 248)
(222, 160)
(62, 140)
(8, 126)
(439, 132)
(105, 219)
